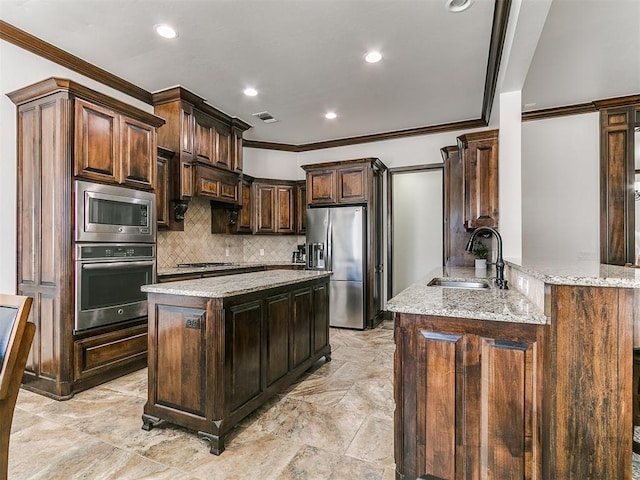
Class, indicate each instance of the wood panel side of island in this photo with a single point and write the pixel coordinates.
(212, 361)
(588, 385)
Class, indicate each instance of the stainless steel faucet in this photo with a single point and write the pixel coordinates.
(500, 281)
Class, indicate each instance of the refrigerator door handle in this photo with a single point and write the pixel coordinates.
(328, 252)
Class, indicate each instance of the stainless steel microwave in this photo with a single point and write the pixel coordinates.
(106, 213)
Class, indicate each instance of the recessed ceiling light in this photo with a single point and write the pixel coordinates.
(165, 31)
(330, 115)
(458, 5)
(373, 56)
(250, 92)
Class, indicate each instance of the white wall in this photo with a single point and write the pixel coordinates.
(402, 152)
(271, 164)
(19, 68)
(561, 188)
(510, 175)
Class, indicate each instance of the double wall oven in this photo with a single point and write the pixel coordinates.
(115, 253)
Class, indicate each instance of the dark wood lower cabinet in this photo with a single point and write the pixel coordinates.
(480, 399)
(466, 403)
(95, 357)
(99, 354)
(212, 361)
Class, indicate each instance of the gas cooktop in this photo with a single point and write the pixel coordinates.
(204, 264)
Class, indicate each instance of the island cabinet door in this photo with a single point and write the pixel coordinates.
(320, 317)
(301, 327)
(243, 353)
(177, 355)
(467, 403)
(278, 312)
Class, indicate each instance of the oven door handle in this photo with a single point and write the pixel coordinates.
(107, 266)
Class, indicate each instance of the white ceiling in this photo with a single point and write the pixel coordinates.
(305, 57)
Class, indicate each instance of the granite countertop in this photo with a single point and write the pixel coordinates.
(579, 273)
(490, 304)
(231, 285)
(217, 268)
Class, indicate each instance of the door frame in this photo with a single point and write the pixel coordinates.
(390, 173)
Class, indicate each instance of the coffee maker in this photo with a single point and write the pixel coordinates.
(299, 255)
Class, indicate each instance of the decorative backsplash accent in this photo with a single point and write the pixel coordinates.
(198, 244)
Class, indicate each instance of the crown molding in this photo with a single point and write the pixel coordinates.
(375, 137)
(580, 108)
(54, 85)
(625, 101)
(28, 42)
(566, 110)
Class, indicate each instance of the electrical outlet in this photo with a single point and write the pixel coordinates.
(523, 283)
(226, 252)
(262, 252)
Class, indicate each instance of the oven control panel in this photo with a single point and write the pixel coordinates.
(108, 251)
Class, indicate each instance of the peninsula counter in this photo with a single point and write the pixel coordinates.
(530, 383)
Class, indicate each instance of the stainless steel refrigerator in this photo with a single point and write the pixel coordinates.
(336, 240)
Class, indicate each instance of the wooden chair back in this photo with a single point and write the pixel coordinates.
(16, 335)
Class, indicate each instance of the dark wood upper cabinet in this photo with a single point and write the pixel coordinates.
(301, 207)
(209, 143)
(245, 216)
(268, 206)
(455, 234)
(164, 159)
(113, 148)
(352, 184)
(97, 139)
(203, 135)
(265, 202)
(66, 130)
(138, 154)
(322, 187)
(340, 183)
(274, 206)
(222, 136)
(479, 154)
(216, 184)
(617, 179)
(236, 158)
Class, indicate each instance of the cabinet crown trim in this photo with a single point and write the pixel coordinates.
(180, 93)
(53, 85)
(477, 136)
(374, 162)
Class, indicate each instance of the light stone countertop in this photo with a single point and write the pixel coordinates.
(579, 273)
(491, 304)
(218, 268)
(231, 285)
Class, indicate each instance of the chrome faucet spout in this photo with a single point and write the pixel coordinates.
(500, 280)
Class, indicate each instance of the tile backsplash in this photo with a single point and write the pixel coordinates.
(198, 244)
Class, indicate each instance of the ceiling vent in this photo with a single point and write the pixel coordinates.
(266, 117)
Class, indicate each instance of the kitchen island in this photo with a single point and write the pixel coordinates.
(529, 384)
(220, 347)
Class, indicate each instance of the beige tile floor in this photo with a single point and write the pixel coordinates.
(335, 423)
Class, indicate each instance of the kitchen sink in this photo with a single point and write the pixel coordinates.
(453, 283)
